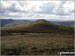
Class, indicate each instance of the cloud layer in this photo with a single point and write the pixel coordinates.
(59, 10)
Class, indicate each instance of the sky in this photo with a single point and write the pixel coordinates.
(52, 10)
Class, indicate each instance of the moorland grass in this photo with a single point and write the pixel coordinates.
(36, 44)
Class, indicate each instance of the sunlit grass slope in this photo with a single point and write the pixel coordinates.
(39, 26)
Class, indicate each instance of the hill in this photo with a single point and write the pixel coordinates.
(11, 22)
(39, 26)
(5, 21)
(68, 23)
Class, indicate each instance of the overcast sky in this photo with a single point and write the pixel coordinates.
(56, 10)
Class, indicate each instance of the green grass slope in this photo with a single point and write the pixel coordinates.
(39, 26)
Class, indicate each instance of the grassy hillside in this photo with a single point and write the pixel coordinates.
(39, 26)
(15, 23)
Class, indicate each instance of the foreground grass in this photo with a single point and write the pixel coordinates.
(36, 44)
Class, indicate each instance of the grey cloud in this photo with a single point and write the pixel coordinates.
(73, 11)
(5, 11)
(47, 8)
(60, 10)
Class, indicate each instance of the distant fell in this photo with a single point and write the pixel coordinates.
(67, 23)
(12, 22)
